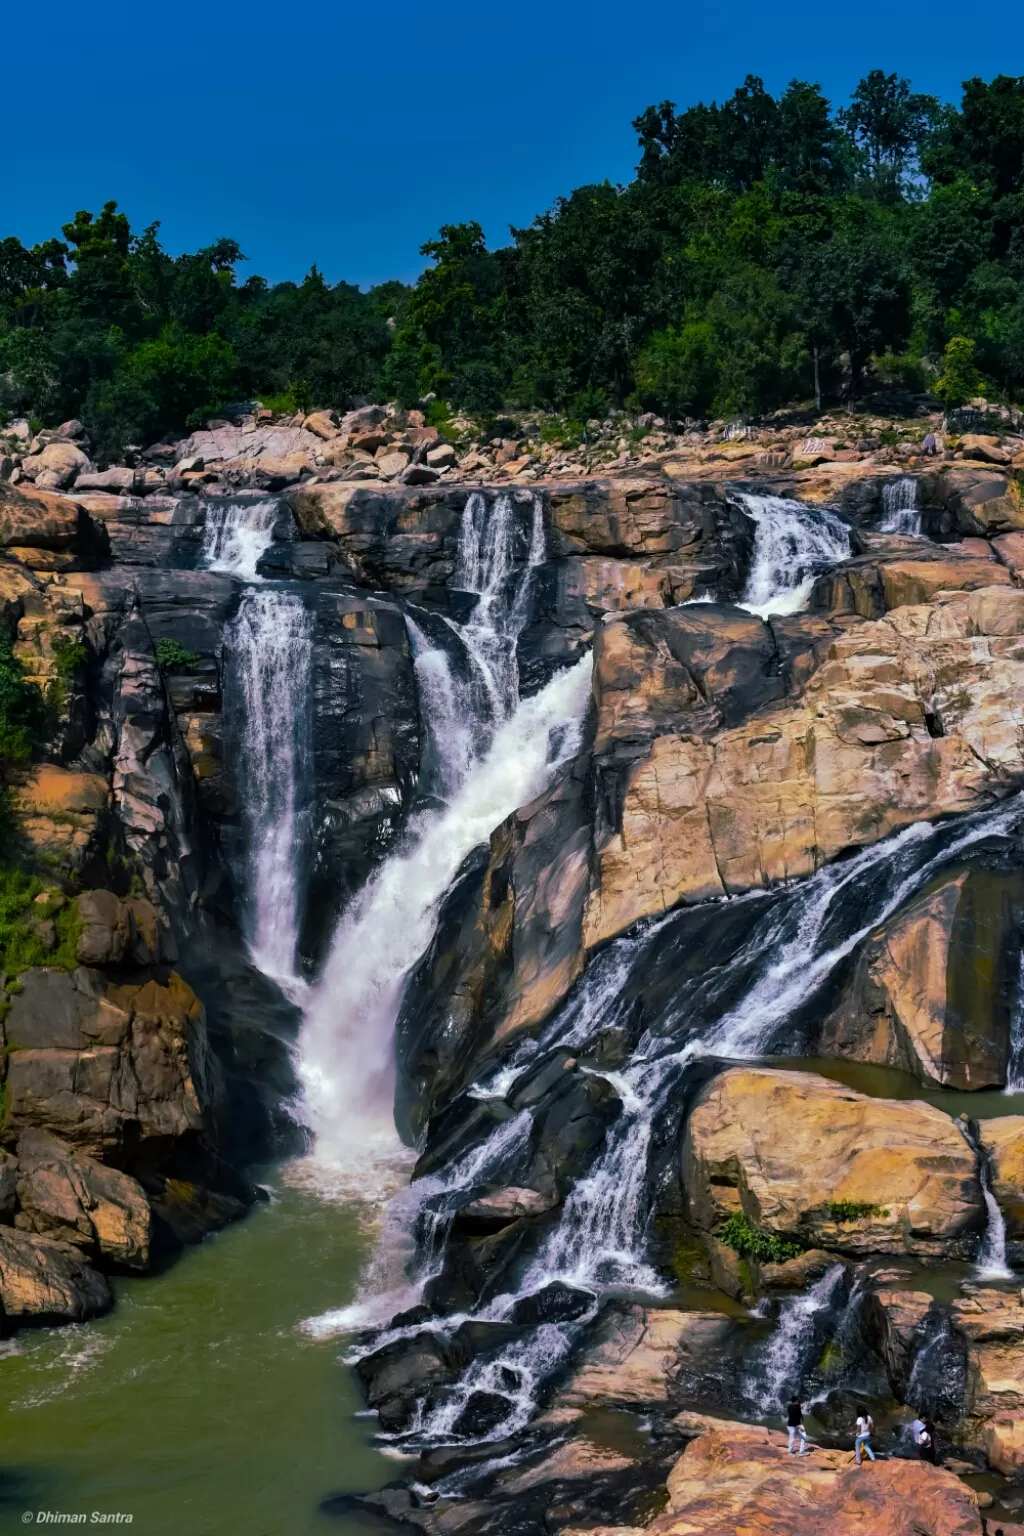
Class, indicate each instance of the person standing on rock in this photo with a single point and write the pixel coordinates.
(862, 1437)
(795, 1426)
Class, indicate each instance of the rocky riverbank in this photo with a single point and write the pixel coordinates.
(793, 835)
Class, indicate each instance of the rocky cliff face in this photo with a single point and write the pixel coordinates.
(796, 835)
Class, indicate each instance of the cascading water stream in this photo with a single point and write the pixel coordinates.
(493, 753)
(237, 533)
(601, 1238)
(783, 1365)
(268, 662)
(793, 544)
(900, 512)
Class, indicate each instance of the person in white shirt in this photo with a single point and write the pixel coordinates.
(862, 1437)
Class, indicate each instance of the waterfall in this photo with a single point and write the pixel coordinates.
(1015, 1066)
(900, 512)
(781, 1370)
(270, 660)
(494, 753)
(793, 544)
(237, 533)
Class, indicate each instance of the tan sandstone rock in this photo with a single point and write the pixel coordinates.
(1002, 1141)
(930, 991)
(783, 1147)
(741, 1480)
(42, 1281)
(77, 1200)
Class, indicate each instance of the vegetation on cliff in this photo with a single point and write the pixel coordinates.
(767, 248)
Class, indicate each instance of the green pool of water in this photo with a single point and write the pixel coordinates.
(889, 1083)
(197, 1405)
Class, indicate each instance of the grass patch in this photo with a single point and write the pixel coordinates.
(854, 1210)
(750, 1242)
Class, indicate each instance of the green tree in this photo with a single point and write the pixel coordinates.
(960, 380)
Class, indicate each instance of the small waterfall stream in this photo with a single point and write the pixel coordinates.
(900, 512)
(272, 646)
(793, 544)
(268, 662)
(783, 1365)
(992, 1263)
(237, 533)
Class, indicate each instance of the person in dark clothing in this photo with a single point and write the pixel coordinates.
(795, 1425)
(927, 1445)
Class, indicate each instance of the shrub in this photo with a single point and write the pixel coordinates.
(20, 945)
(750, 1242)
(173, 656)
(854, 1210)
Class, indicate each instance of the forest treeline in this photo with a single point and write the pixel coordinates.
(768, 246)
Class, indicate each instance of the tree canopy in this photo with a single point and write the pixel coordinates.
(760, 236)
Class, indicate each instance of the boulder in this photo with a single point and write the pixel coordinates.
(419, 474)
(790, 1150)
(74, 1199)
(917, 581)
(990, 450)
(119, 480)
(43, 1281)
(741, 1479)
(57, 466)
(38, 521)
(322, 423)
(1002, 1142)
(391, 462)
(442, 457)
(273, 472)
(976, 500)
(932, 991)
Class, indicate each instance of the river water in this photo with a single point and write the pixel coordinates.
(198, 1404)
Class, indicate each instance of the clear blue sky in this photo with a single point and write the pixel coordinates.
(346, 134)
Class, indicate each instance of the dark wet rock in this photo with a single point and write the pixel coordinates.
(397, 1375)
(366, 747)
(556, 1303)
(482, 1338)
(484, 1412)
